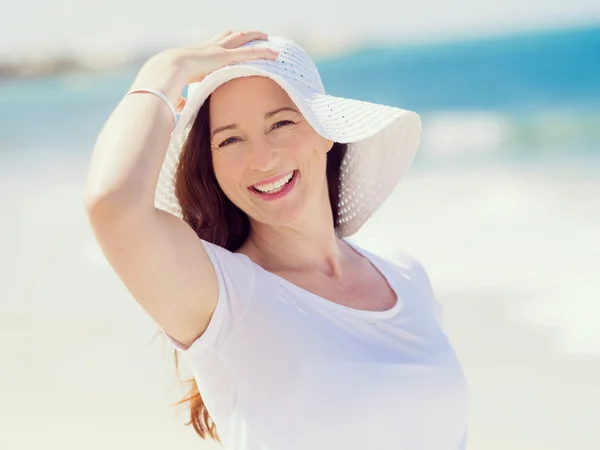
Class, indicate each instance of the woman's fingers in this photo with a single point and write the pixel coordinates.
(237, 52)
(249, 53)
(220, 35)
(239, 38)
(226, 47)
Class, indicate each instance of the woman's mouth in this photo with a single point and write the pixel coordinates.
(277, 188)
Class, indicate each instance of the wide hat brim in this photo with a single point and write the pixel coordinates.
(382, 140)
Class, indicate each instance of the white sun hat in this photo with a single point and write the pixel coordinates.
(382, 140)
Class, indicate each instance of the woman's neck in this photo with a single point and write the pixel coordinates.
(307, 247)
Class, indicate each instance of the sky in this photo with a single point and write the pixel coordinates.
(85, 27)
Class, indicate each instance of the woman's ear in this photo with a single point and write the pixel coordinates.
(329, 144)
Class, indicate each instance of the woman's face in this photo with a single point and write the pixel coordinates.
(267, 159)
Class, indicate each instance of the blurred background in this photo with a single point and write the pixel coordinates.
(502, 205)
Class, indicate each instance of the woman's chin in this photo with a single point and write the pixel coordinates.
(278, 220)
(282, 215)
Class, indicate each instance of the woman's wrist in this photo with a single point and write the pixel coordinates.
(163, 75)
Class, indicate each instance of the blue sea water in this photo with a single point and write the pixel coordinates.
(537, 96)
(551, 70)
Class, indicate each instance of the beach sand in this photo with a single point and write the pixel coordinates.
(514, 257)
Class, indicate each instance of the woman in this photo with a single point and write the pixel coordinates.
(229, 231)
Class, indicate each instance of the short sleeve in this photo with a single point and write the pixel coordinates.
(235, 274)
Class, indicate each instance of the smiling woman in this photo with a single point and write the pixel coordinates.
(227, 173)
(269, 141)
(297, 338)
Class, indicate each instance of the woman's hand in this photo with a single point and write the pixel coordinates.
(171, 70)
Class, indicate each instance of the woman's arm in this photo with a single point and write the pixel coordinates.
(157, 256)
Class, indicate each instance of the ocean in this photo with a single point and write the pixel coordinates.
(529, 97)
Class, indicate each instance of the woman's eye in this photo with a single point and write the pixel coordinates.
(231, 140)
(281, 123)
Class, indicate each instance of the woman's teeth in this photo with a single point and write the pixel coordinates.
(275, 187)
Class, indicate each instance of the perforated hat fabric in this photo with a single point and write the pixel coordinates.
(382, 140)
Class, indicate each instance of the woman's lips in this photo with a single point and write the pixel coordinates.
(286, 188)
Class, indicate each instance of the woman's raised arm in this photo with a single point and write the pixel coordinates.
(157, 256)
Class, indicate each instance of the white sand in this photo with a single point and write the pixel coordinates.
(514, 257)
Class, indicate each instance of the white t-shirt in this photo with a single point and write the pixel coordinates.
(280, 368)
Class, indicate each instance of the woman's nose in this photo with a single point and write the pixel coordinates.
(263, 156)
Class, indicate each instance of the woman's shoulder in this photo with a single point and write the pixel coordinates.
(232, 268)
(224, 254)
(409, 268)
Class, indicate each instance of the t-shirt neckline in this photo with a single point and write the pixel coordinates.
(379, 265)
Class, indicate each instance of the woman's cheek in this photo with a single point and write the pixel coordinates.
(228, 170)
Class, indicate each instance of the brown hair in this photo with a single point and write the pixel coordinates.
(216, 219)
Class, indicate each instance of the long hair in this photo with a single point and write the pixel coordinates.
(217, 220)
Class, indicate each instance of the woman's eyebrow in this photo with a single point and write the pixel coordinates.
(278, 110)
(226, 127)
